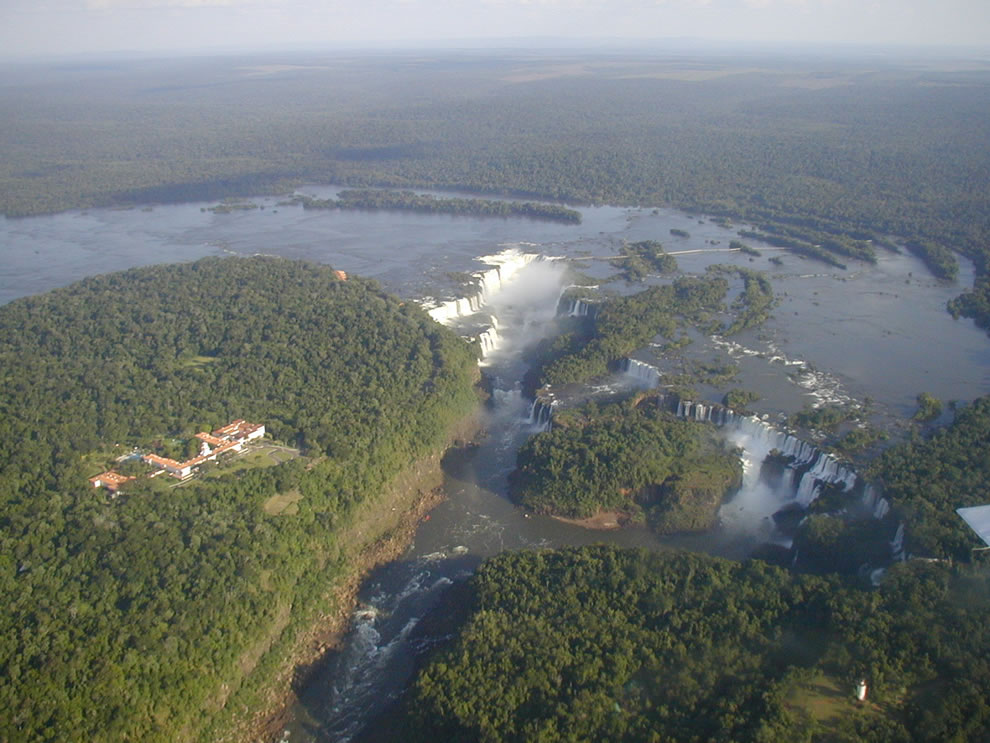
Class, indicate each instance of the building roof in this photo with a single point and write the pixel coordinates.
(210, 439)
(110, 479)
(231, 436)
(160, 461)
(978, 518)
(238, 429)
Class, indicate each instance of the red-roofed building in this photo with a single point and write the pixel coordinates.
(211, 440)
(240, 430)
(231, 437)
(110, 480)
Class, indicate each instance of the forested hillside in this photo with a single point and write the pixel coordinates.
(139, 618)
(599, 643)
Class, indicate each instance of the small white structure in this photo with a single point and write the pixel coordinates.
(978, 518)
(861, 690)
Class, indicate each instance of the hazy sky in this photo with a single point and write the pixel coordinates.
(70, 26)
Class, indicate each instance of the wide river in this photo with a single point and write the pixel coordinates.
(879, 332)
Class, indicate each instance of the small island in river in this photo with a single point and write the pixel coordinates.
(600, 466)
(428, 204)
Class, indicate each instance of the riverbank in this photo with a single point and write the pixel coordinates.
(603, 521)
(380, 531)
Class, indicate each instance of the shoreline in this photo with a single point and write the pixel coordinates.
(602, 521)
(414, 493)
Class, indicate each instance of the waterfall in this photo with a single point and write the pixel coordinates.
(873, 502)
(489, 339)
(541, 413)
(806, 468)
(489, 282)
(578, 308)
(897, 543)
(643, 373)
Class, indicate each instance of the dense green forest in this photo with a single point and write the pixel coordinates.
(588, 346)
(622, 324)
(638, 260)
(640, 461)
(974, 304)
(599, 643)
(139, 618)
(370, 198)
(844, 150)
(148, 617)
(927, 479)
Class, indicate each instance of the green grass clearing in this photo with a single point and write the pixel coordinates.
(824, 698)
(283, 504)
(198, 361)
(257, 456)
(830, 702)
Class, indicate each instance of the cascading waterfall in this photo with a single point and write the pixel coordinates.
(897, 543)
(505, 265)
(875, 503)
(541, 413)
(807, 470)
(489, 339)
(579, 308)
(642, 373)
(571, 306)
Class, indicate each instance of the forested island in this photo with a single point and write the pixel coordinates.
(591, 344)
(620, 325)
(169, 615)
(640, 259)
(428, 204)
(639, 461)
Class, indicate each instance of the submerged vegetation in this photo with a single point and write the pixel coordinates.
(752, 307)
(929, 408)
(155, 616)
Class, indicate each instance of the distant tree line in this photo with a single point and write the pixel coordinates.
(428, 204)
(835, 167)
